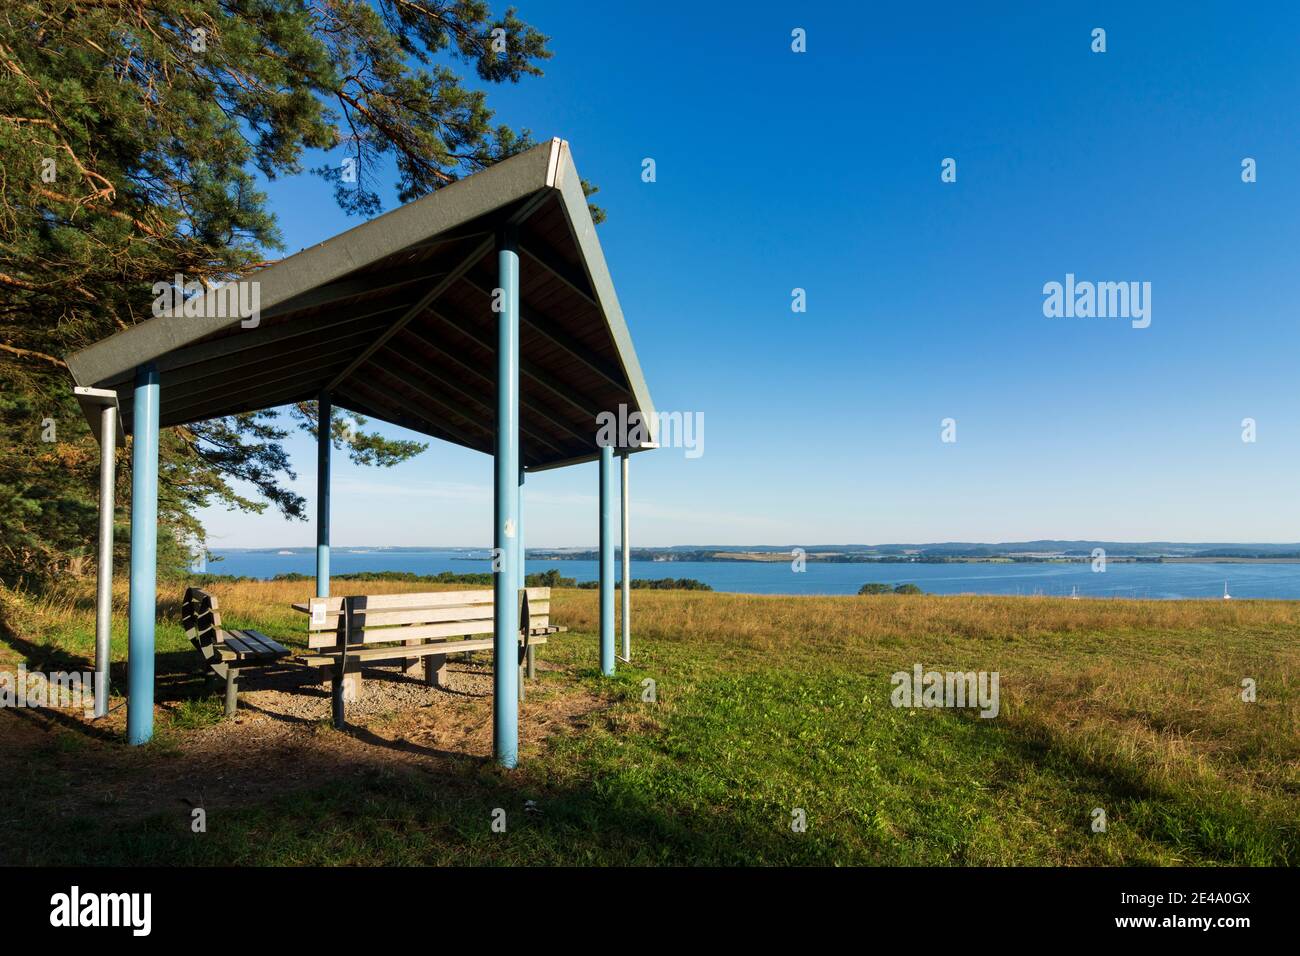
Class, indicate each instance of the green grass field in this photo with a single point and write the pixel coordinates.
(765, 706)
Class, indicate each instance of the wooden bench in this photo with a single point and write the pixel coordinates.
(348, 631)
(227, 653)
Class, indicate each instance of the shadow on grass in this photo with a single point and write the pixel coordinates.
(390, 801)
(180, 677)
(451, 816)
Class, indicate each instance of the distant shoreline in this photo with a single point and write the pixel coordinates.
(822, 555)
(1233, 560)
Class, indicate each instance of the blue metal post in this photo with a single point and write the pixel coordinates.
(505, 653)
(606, 560)
(323, 444)
(144, 557)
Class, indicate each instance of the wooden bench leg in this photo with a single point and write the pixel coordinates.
(338, 701)
(435, 670)
(412, 668)
(345, 687)
(232, 691)
(329, 671)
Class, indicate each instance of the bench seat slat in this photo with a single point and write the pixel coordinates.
(237, 645)
(278, 649)
(248, 640)
(260, 644)
(247, 650)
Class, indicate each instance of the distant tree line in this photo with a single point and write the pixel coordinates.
(544, 579)
(875, 587)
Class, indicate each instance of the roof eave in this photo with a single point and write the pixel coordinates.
(576, 210)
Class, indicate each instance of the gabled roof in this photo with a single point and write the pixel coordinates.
(394, 317)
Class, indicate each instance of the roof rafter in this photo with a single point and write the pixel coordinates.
(480, 250)
(531, 369)
(561, 270)
(450, 385)
(549, 414)
(354, 385)
(570, 343)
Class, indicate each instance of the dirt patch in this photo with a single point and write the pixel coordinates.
(280, 741)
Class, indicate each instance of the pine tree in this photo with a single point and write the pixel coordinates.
(130, 135)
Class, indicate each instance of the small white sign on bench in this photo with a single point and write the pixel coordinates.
(319, 609)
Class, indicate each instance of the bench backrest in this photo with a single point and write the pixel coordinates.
(376, 618)
(200, 618)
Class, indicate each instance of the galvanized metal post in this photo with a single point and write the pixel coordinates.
(606, 560)
(324, 418)
(627, 566)
(505, 654)
(104, 596)
(144, 557)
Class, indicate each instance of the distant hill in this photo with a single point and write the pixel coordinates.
(1043, 549)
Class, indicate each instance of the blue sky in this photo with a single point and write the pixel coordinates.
(821, 170)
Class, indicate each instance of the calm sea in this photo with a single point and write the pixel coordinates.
(1163, 581)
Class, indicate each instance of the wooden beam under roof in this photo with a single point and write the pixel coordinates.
(537, 408)
(565, 340)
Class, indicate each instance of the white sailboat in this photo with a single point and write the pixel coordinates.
(1074, 594)
(1226, 595)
